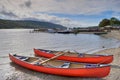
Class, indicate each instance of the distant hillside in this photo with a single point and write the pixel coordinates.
(8, 24)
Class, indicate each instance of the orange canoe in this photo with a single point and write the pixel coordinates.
(62, 68)
(73, 57)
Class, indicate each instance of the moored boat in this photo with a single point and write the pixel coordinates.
(71, 56)
(62, 68)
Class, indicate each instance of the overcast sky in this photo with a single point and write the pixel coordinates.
(65, 12)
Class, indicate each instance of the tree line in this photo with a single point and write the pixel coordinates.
(112, 22)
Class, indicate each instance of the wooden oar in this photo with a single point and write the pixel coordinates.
(58, 54)
(36, 61)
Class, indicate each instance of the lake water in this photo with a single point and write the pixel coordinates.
(21, 41)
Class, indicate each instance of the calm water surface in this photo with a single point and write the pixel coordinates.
(20, 41)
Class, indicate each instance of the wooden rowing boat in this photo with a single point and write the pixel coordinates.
(71, 56)
(61, 68)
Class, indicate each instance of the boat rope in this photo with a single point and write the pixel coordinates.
(89, 50)
(85, 51)
(76, 52)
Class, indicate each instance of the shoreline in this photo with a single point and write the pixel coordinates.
(113, 34)
(21, 73)
(115, 65)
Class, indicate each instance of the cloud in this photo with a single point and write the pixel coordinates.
(117, 15)
(86, 7)
(8, 13)
(28, 3)
(40, 9)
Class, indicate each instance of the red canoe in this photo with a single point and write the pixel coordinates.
(62, 68)
(73, 57)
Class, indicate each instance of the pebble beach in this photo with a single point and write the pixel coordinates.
(24, 74)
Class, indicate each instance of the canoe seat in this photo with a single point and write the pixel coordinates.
(47, 51)
(23, 58)
(91, 65)
(65, 65)
(37, 62)
(80, 55)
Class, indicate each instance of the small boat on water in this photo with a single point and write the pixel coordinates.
(64, 32)
(100, 33)
(72, 56)
(62, 68)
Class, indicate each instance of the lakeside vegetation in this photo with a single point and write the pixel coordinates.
(111, 22)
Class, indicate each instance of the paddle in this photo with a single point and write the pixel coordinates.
(58, 54)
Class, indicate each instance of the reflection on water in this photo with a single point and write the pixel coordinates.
(22, 42)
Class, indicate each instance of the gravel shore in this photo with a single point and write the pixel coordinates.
(20, 73)
(115, 65)
(113, 34)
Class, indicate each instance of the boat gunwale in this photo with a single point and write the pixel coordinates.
(94, 55)
(102, 65)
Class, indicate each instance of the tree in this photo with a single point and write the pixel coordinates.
(114, 21)
(104, 22)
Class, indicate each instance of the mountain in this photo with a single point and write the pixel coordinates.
(29, 24)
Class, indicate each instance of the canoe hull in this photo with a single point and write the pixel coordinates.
(77, 72)
(94, 60)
